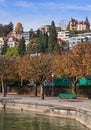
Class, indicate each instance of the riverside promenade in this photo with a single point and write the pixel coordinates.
(84, 104)
(79, 109)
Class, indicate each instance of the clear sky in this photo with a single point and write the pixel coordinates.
(34, 13)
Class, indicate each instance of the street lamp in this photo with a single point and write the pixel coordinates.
(52, 94)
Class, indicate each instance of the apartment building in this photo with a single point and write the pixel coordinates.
(26, 36)
(64, 35)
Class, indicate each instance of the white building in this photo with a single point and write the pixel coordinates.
(26, 36)
(1, 42)
(86, 35)
(75, 40)
(12, 41)
(64, 35)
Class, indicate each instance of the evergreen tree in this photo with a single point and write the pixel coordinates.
(43, 42)
(22, 47)
(38, 33)
(9, 28)
(87, 22)
(32, 47)
(52, 44)
(46, 41)
(32, 34)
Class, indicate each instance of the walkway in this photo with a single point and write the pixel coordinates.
(84, 104)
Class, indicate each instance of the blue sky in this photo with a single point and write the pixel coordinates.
(34, 13)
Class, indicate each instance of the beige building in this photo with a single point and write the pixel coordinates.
(15, 34)
(78, 25)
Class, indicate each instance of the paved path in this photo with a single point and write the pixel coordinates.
(84, 104)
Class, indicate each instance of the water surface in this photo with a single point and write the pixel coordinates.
(17, 120)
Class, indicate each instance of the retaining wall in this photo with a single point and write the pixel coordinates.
(80, 115)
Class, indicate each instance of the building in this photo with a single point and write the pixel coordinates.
(75, 40)
(78, 25)
(58, 29)
(26, 36)
(45, 28)
(64, 35)
(2, 41)
(12, 41)
(15, 34)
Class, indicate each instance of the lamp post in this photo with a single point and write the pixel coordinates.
(52, 94)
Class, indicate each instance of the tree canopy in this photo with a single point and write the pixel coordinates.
(19, 28)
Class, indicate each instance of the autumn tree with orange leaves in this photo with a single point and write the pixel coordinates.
(41, 70)
(7, 71)
(36, 69)
(74, 64)
(23, 68)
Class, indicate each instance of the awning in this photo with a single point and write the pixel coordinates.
(84, 82)
(62, 82)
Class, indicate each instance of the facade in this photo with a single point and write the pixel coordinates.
(78, 25)
(64, 35)
(12, 41)
(45, 28)
(1, 42)
(26, 36)
(75, 40)
(14, 34)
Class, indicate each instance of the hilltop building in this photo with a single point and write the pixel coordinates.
(75, 25)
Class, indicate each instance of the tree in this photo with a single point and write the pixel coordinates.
(74, 64)
(23, 68)
(12, 51)
(40, 70)
(19, 28)
(63, 24)
(43, 42)
(4, 48)
(38, 33)
(22, 47)
(3, 30)
(9, 27)
(88, 23)
(7, 71)
(32, 47)
(36, 69)
(52, 44)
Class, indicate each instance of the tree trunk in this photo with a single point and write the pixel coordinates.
(4, 88)
(74, 81)
(21, 82)
(42, 92)
(35, 90)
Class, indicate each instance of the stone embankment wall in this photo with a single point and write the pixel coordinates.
(80, 115)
